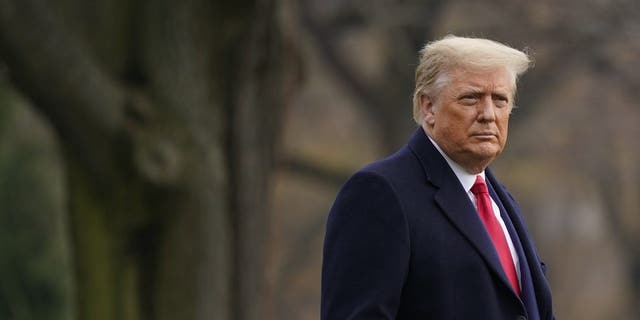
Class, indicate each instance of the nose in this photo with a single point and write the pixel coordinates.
(486, 110)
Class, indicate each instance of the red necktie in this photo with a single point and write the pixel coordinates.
(492, 225)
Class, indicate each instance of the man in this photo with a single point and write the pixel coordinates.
(429, 233)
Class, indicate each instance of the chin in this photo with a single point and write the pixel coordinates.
(490, 151)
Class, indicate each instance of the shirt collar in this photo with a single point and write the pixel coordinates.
(466, 179)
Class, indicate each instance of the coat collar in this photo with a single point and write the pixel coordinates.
(454, 201)
(539, 281)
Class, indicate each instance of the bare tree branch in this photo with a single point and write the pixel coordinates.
(378, 104)
(314, 171)
(80, 100)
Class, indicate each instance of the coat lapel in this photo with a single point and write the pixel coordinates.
(454, 201)
(526, 284)
(538, 279)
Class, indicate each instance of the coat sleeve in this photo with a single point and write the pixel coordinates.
(366, 251)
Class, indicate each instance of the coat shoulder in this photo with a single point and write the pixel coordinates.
(397, 167)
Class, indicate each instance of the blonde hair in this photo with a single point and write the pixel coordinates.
(440, 57)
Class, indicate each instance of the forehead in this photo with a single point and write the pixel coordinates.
(482, 80)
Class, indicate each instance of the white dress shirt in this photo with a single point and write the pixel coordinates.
(467, 180)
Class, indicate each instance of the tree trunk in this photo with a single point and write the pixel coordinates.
(168, 146)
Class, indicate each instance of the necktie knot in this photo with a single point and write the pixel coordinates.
(479, 187)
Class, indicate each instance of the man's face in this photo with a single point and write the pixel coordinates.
(469, 119)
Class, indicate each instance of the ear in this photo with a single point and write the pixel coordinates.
(427, 107)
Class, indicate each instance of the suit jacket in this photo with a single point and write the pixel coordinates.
(404, 241)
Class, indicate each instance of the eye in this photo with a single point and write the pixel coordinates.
(468, 99)
(500, 100)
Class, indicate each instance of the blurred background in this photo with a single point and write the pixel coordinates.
(177, 159)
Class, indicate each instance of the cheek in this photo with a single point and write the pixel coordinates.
(503, 122)
(503, 126)
(461, 119)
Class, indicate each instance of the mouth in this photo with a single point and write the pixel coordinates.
(484, 135)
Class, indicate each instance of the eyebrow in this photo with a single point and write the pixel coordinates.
(471, 89)
(477, 90)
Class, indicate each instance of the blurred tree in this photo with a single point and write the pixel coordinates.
(404, 26)
(167, 114)
(35, 275)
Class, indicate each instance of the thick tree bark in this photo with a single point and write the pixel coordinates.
(255, 127)
(159, 231)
